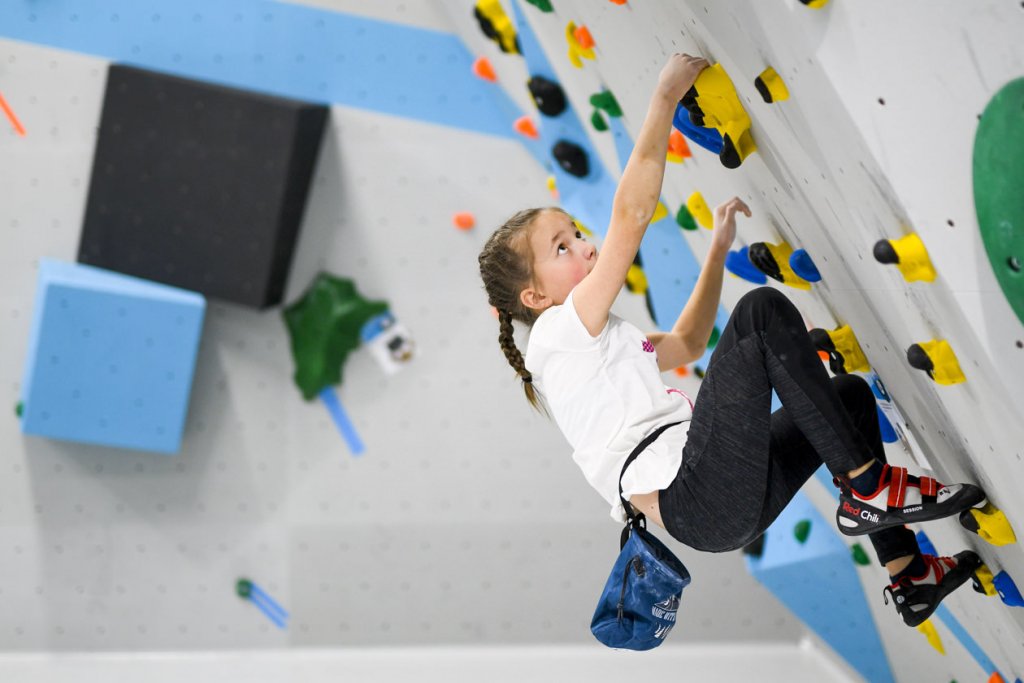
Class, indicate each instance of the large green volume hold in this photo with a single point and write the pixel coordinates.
(999, 189)
(324, 326)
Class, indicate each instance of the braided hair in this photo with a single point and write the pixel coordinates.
(506, 267)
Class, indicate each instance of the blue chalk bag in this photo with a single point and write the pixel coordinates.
(638, 606)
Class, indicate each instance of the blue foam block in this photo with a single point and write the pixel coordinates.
(110, 358)
(818, 582)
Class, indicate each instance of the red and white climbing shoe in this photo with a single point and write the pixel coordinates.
(901, 499)
(917, 597)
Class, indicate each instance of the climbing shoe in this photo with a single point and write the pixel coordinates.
(916, 597)
(901, 499)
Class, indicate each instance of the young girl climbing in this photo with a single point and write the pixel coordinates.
(721, 470)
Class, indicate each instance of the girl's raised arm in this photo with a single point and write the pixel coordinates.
(637, 195)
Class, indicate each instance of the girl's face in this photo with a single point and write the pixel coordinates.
(562, 258)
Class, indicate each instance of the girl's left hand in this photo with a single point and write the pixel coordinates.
(725, 222)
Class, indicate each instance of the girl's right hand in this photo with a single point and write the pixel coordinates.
(679, 74)
(725, 222)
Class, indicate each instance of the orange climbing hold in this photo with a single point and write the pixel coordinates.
(682, 370)
(618, 2)
(525, 126)
(483, 69)
(677, 145)
(577, 52)
(583, 37)
(464, 220)
(15, 123)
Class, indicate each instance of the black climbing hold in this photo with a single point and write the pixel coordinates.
(884, 252)
(823, 342)
(547, 95)
(918, 358)
(729, 157)
(762, 258)
(766, 94)
(572, 158)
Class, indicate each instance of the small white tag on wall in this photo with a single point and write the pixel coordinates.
(389, 342)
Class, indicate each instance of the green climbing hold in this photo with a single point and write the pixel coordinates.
(542, 5)
(19, 409)
(802, 530)
(859, 556)
(598, 122)
(685, 219)
(998, 188)
(606, 102)
(244, 588)
(325, 326)
(715, 334)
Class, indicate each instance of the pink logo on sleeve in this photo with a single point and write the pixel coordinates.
(672, 390)
(648, 346)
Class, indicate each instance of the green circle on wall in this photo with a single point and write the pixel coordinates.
(999, 189)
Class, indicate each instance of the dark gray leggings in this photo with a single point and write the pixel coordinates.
(742, 463)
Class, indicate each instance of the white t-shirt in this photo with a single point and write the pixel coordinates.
(606, 394)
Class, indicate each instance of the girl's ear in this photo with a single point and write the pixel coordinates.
(533, 299)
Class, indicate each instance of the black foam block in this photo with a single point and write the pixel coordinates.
(198, 185)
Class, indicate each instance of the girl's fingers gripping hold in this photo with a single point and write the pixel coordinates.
(679, 74)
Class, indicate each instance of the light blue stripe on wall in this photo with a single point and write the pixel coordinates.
(279, 48)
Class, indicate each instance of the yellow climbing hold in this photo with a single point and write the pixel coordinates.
(936, 357)
(577, 52)
(983, 577)
(659, 212)
(698, 208)
(496, 25)
(636, 280)
(713, 103)
(990, 523)
(928, 629)
(909, 255)
(773, 261)
(845, 354)
(771, 86)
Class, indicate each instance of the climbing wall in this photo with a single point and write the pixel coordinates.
(874, 143)
(463, 522)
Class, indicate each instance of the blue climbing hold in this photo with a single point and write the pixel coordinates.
(925, 544)
(708, 138)
(1008, 590)
(738, 263)
(888, 433)
(801, 263)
